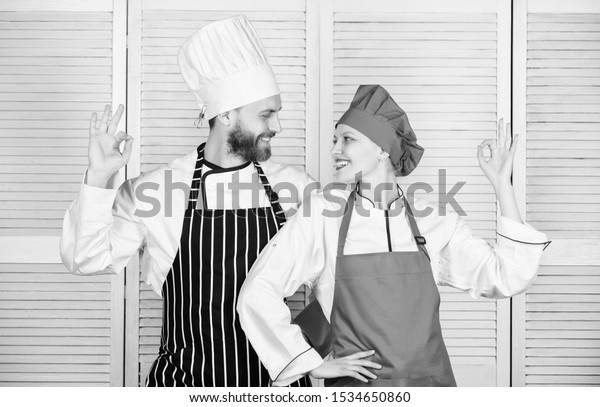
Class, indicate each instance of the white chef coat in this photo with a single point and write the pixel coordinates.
(305, 249)
(104, 228)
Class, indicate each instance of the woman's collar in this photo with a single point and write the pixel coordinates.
(367, 203)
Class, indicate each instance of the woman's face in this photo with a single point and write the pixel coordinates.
(353, 154)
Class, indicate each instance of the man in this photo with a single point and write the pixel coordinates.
(198, 248)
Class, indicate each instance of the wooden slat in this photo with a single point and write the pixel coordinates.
(562, 105)
(43, 64)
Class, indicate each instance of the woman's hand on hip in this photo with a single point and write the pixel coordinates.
(354, 365)
(498, 168)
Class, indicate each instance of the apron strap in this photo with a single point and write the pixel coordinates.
(419, 239)
(197, 182)
(346, 223)
(197, 200)
(271, 194)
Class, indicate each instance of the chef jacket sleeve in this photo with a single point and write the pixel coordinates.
(295, 256)
(100, 231)
(472, 264)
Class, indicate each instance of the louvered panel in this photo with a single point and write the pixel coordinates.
(441, 68)
(55, 328)
(56, 69)
(169, 109)
(59, 64)
(562, 327)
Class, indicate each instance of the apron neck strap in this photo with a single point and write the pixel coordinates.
(271, 194)
(197, 187)
(346, 223)
(420, 240)
(197, 181)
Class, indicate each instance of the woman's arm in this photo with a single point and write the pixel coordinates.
(292, 258)
(498, 169)
(470, 263)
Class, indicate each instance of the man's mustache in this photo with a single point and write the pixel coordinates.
(269, 134)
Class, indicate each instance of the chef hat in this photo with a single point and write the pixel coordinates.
(226, 67)
(374, 113)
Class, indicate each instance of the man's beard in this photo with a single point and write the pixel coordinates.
(245, 145)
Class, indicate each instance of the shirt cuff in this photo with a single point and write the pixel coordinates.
(521, 232)
(95, 204)
(298, 367)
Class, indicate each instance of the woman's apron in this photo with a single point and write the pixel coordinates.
(202, 342)
(389, 302)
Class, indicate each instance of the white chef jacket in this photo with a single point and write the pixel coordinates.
(104, 228)
(304, 252)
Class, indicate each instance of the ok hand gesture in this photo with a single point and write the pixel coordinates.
(104, 154)
(498, 168)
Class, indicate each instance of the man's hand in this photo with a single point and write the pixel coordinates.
(104, 155)
(352, 365)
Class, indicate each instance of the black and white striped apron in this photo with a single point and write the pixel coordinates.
(202, 342)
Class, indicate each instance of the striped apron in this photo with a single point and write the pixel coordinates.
(202, 342)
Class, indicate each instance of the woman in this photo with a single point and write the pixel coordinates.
(374, 269)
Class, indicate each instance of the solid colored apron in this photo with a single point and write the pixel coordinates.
(389, 302)
(202, 341)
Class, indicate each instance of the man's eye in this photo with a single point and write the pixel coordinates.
(347, 139)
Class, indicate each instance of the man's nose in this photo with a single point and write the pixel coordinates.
(275, 124)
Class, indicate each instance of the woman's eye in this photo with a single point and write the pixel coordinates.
(347, 139)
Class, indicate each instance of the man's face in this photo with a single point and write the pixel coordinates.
(256, 124)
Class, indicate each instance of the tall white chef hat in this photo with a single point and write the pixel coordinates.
(225, 65)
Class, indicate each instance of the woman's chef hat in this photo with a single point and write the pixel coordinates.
(375, 114)
(225, 66)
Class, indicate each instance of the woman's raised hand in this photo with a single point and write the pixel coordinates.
(104, 154)
(498, 168)
(354, 365)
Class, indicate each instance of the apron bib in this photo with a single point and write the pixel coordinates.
(202, 342)
(389, 302)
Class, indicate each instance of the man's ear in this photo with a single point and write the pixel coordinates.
(224, 118)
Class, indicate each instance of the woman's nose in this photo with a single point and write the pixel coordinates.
(336, 149)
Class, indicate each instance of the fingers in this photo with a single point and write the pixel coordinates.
(112, 127)
(507, 138)
(105, 118)
(93, 125)
(355, 374)
(489, 143)
(360, 355)
(513, 147)
(365, 363)
(121, 136)
(365, 372)
(480, 156)
(127, 149)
